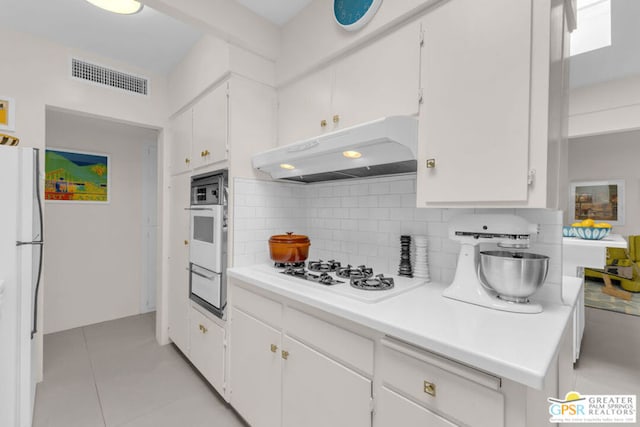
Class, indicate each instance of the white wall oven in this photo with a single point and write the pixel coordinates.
(208, 249)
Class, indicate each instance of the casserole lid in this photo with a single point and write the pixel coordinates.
(289, 238)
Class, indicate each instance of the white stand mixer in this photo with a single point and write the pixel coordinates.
(508, 231)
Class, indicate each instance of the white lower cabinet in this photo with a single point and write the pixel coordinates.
(255, 370)
(207, 350)
(279, 380)
(317, 391)
(393, 409)
(457, 393)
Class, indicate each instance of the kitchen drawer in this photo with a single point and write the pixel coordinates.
(457, 391)
(347, 347)
(393, 409)
(263, 309)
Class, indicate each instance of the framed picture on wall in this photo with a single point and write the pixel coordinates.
(7, 113)
(602, 201)
(74, 176)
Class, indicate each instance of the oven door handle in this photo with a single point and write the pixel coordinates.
(204, 276)
(198, 209)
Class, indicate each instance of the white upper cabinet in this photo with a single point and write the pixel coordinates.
(305, 107)
(181, 137)
(485, 134)
(381, 79)
(378, 80)
(210, 121)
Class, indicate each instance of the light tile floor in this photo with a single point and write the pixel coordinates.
(114, 374)
(610, 355)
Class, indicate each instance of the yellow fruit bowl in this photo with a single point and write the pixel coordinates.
(591, 233)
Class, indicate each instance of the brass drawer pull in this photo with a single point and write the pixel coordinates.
(186, 242)
(431, 163)
(274, 348)
(187, 161)
(430, 388)
(336, 118)
(285, 354)
(323, 123)
(203, 329)
(205, 153)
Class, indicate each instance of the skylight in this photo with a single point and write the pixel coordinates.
(594, 26)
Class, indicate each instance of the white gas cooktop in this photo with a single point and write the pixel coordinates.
(401, 285)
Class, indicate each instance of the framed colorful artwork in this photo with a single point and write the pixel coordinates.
(74, 176)
(7, 113)
(598, 200)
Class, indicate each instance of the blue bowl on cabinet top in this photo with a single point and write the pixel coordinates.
(591, 233)
(567, 231)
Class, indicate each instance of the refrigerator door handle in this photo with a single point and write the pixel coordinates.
(35, 242)
(36, 161)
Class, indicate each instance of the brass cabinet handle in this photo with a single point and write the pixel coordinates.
(186, 242)
(285, 354)
(203, 329)
(187, 161)
(336, 118)
(274, 348)
(202, 154)
(431, 163)
(430, 388)
(323, 123)
(205, 153)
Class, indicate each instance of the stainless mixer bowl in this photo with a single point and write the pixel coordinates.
(513, 275)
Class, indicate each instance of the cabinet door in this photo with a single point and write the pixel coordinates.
(255, 370)
(393, 409)
(210, 128)
(181, 136)
(207, 348)
(318, 391)
(475, 119)
(303, 105)
(178, 262)
(380, 80)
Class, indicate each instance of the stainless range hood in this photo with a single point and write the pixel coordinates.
(384, 146)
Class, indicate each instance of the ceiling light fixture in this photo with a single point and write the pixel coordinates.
(123, 7)
(352, 154)
(287, 166)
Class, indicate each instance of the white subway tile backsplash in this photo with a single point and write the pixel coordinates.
(360, 222)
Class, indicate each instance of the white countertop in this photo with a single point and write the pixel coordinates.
(518, 347)
(612, 240)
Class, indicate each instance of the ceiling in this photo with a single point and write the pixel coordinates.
(621, 59)
(276, 11)
(148, 40)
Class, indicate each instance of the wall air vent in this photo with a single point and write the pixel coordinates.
(108, 77)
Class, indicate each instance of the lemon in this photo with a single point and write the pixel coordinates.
(588, 223)
(602, 225)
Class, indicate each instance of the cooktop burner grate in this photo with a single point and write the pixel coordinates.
(349, 272)
(378, 283)
(289, 264)
(324, 266)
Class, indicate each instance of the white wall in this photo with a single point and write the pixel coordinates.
(36, 75)
(610, 156)
(313, 37)
(360, 222)
(93, 259)
(611, 106)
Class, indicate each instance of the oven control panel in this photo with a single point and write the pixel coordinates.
(208, 190)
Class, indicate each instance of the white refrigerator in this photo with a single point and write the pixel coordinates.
(20, 271)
